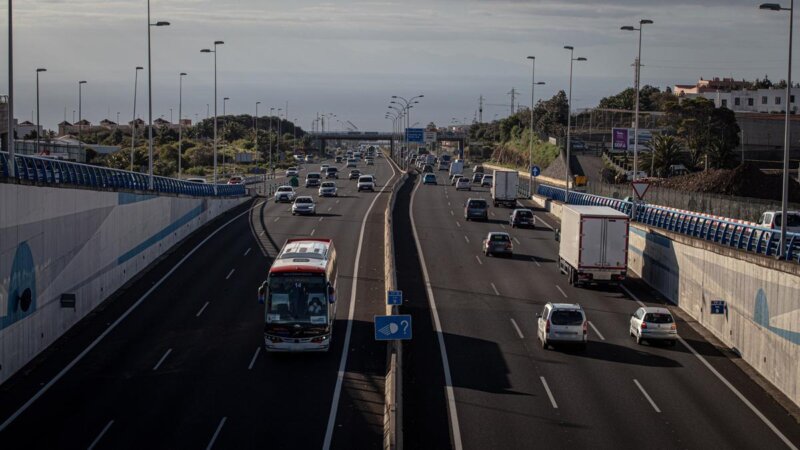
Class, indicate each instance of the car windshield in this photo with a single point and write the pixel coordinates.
(297, 298)
(477, 204)
(328, 184)
(332, 169)
(313, 175)
(487, 178)
(566, 317)
(794, 220)
(499, 238)
(304, 200)
(658, 318)
(365, 180)
(284, 189)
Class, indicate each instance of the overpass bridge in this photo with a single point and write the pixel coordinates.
(382, 136)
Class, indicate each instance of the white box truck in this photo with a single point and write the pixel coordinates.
(457, 167)
(593, 245)
(504, 187)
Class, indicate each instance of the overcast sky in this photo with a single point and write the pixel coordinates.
(349, 57)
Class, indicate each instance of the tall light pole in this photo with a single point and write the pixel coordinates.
(572, 59)
(38, 125)
(270, 138)
(150, 97)
(278, 141)
(208, 50)
(637, 83)
(787, 129)
(133, 124)
(224, 102)
(12, 166)
(407, 104)
(180, 125)
(401, 111)
(530, 152)
(255, 126)
(80, 105)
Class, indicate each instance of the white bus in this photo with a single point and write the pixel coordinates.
(299, 296)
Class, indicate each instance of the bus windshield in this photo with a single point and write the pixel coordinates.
(297, 298)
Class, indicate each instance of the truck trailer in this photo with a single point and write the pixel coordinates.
(593, 245)
(504, 187)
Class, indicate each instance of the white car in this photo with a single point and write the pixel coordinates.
(291, 172)
(327, 189)
(650, 323)
(304, 205)
(370, 161)
(323, 168)
(772, 219)
(366, 183)
(463, 183)
(284, 194)
(562, 323)
(351, 162)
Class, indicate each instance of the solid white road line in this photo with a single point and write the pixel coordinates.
(158, 364)
(479, 259)
(201, 310)
(253, 361)
(312, 232)
(727, 383)
(516, 327)
(216, 433)
(337, 390)
(517, 241)
(496, 292)
(100, 436)
(248, 251)
(545, 223)
(599, 334)
(116, 323)
(230, 273)
(437, 324)
(646, 395)
(562, 291)
(549, 394)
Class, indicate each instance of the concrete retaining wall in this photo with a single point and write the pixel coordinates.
(56, 241)
(762, 296)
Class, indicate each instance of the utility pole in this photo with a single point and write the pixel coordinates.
(480, 109)
(513, 94)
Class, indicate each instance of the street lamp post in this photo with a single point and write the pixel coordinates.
(255, 127)
(572, 59)
(208, 50)
(408, 103)
(150, 97)
(38, 124)
(133, 124)
(530, 152)
(180, 124)
(785, 191)
(11, 167)
(80, 106)
(270, 138)
(637, 83)
(278, 141)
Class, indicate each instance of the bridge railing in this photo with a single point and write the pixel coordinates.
(729, 233)
(55, 172)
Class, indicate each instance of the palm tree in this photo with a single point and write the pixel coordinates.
(665, 151)
(720, 156)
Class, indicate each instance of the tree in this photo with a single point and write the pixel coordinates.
(649, 97)
(665, 151)
(720, 155)
(699, 124)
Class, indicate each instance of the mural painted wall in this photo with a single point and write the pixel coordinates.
(74, 241)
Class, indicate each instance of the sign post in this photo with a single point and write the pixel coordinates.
(535, 172)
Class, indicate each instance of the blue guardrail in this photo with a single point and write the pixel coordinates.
(754, 239)
(54, 172)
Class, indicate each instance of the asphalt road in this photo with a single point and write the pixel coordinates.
(507, 392)
(186, 368)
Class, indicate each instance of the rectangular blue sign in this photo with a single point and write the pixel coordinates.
(389, 328)
(394, 297)
(415, 134)
(717, 306)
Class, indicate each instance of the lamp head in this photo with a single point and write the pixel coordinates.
(539, 83)
(162, 24)
(139, 68)
(205, 50)
(41, 69)
(82, 82)
(627, 28)
(581, 58)
(394, 96)
(569, 47)
(645, 22)
(218, 42)
(770, 6)
(183, 74)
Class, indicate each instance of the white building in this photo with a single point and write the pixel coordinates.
(756, 100)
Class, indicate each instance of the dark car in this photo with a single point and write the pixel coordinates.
(338, 159)
(355, 174)
(521, 217)
(476, 208)
(332, 172)
(427, 169)
(477, 177)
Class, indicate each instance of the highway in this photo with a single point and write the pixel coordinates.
(183, 364)
(497, 388)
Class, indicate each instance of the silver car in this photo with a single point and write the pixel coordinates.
(562, 323)
(498, 242)
(284, 194)
(650, 323)
(304, 205)
(327, 189)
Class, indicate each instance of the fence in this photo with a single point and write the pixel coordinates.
(730, 233)
(54, 172)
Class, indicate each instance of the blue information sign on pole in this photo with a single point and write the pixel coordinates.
(388, 328)
(394, 297)
(717, 306)
(415, 135)
(536, 171)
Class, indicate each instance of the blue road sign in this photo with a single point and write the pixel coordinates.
(394, 297)
(388, 328)
(536, 171)
(415, 134)
(717, 306)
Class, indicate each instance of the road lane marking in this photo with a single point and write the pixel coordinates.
(216, 433)
(562, 291)
(448, 203)
(248, 251)
(330, 208)
(262, 231)
(312, 232)
(337, 390)
(599, 334)
(549, 394)
(496, 292)
(320, 219)
(516, 327)
(458, 224)
(533, 258)
(253, 361)
(448, 379)
(646, 395)
(276, 219)
(466, 238)
(100, 436)
(201, 310)
(630, 294)
(230, 273)
(451, 213)
(517, 241)
(160, 361)
(503, 227)
(119, 320)
(479, 259)
(493, 214)
(544, 222)
(337, 201)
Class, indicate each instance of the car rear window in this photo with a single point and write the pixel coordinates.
(526, 214)
(304, 200)
(794, 220)
(566, 317)
(313, 175)
(284, 189)
(658, 318)
(500, 238)
(477, 204)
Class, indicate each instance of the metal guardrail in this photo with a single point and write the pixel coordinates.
(730, 233)
(54, 172)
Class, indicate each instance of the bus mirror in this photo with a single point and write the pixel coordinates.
(262, 292)
(558, 234)
(331, 293)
